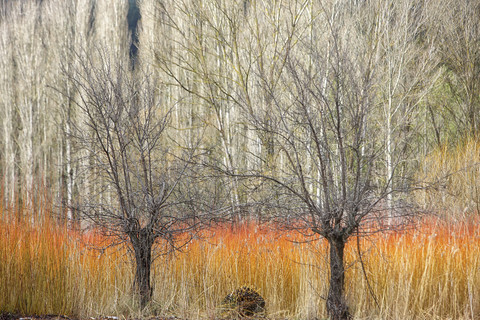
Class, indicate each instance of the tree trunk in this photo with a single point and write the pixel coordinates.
(143, 260)
(336, 305)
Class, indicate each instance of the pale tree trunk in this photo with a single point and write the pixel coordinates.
(25, 95)
(69, 168)
(222, 112)
(26, 151)
(388, 155)
(214, 85)
(9, 160)
(60, 171)
(394, 62)
(67, 140)
(70, 178)
(26, 112)
(76, 39)
(405, 68)
(46, 149)
(17, 89)
(28, 160)
(112, 27)
(6, 112)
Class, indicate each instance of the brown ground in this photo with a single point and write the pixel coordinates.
(12, 316)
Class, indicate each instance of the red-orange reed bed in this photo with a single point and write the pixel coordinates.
(430, 272)
(46, 269)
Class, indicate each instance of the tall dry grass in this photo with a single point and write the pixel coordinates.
(452, 176)
(45, 269)
(431, 272)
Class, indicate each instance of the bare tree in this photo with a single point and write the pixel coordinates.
(310, 94)
(7, 114)
(195, 62)
(405, 62)
(33, 39)
(218, 53)
(324, 126)
(143, 186)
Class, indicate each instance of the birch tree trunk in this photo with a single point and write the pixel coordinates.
(7, 114)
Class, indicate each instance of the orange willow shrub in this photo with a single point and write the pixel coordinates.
(34, 268)
(431, 272)
(284, 272)
(45, 269)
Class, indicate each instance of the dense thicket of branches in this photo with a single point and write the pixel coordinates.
(215, 61)
(141, 194)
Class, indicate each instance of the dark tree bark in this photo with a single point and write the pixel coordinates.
(143, 245)
(336, 305)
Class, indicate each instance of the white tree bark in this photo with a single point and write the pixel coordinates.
(6, 111)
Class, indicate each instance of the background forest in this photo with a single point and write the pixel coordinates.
(263, 109)
(214, 61)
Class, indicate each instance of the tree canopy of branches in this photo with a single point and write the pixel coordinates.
(139, 193)
(310, 96)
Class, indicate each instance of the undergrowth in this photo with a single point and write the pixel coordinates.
(431, 271)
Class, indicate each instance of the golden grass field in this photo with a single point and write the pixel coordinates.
(429, 272)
